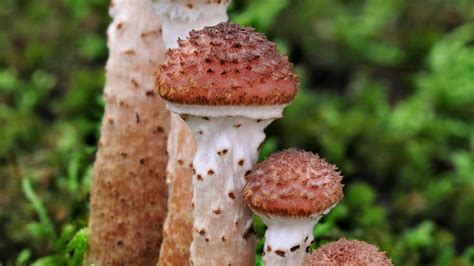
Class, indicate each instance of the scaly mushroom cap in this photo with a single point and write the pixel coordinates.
(347, 252)
(226, 65)
(293, 183)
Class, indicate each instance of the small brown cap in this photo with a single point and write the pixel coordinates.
(347, 253)
(226, 64)
(293, 183)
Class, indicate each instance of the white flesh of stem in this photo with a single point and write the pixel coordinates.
(227, 147)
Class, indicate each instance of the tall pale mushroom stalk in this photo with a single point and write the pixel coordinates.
(179, 18)
(128, 192)
(228, 83)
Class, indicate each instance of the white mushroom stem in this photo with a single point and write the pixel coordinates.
(287, 239)
(227, 148)
(179, 18)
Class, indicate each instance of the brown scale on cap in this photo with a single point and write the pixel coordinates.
(347, 252)
(226, 64)
(293, 183)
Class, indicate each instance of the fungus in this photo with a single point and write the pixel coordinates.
(346, 253)
(118, 203)
(179, 18)
(213, 105)
(291, 191)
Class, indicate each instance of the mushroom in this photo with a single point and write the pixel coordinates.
(228, 83)
(179, 18)
(347, 253)
(291, 190)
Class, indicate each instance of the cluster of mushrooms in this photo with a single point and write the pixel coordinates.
(228, 83)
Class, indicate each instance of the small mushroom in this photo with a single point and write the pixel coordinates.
(291, 190)
(214, 104)
(347, 252)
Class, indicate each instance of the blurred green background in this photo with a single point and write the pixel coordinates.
(387, 94)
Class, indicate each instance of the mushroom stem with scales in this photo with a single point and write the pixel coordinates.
(179, 18)
(291, 191)
(228, 83)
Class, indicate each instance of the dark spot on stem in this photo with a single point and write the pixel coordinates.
(141, 161)
(137, 118)
(129, 52)
(241, 162)
(199, 177)
(217, 211)
(280, 253)
(223, 152)
(293, 249)
(150, 93)
(210, 172)
(231, 195)
(134, 82)
(160, 129)
(237, 125)
(180, 162)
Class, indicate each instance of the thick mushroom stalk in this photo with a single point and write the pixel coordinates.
(291, 191)
(228, 82)
(128, 192)
(179, 18)
(227, 148)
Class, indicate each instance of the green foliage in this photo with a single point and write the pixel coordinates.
(70, 246)
(386, 94)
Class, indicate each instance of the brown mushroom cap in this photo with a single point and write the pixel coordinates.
(226, 64)
(347, 252)
(293, 183)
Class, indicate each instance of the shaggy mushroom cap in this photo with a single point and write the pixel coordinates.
(226, 64)
(293, 183)
(347, 252)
